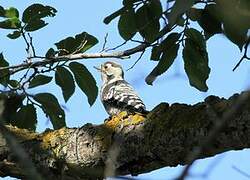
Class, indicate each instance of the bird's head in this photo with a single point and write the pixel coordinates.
(111, 71)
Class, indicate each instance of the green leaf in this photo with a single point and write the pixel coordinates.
(196, 59)
(11, 12)
(11, 23)
(170, 40)
(235, 17)
(35, 25)
(26, 117)
(178, 9)
(12, 102)
(129, 3)
(194, 14)
(78, 44)
(39, 80)
(50, 53)
(164, 46)
(14, 35)
(117, 13)
(4, 74)
(2, 12)
(237, 35)
(52, 108)
(85, 41)
(127, 24)
(180, 21)
(85, 81)
(155, 8)
(197, 37)
(14, 83)
(156, 53)
(165, 62)
(209, 20)
(33, 15)
(166, 52)
(65, 80)
(67, 46)
(37, 11)
(147, 20)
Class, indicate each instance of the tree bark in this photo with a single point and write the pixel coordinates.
(129, 144)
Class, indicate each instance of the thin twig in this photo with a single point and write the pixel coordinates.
(119, 54)
(33, 102)
(54, 68)
(212, 165)
(31, 76)
(183, 32)
(241, 172)
(136, 61)
(105, 42)
(32, 45)
(244, 56)
(214, 132)
(125, 178)
(204, 1)
(26, 42)
(25, 75)
(120, 45)
(137, 41)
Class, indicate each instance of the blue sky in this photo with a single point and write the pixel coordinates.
(77, 16)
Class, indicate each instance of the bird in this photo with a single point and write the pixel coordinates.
(116, 93)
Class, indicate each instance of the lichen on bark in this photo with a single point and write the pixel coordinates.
(130, 144)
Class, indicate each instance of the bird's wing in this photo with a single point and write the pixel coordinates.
(123, 95)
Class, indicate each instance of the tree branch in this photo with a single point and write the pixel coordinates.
(220, 123)
(132, 144)
(19, 153)
(44, 61)
(71, 57)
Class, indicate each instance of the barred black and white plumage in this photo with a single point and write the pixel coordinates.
(117, 95)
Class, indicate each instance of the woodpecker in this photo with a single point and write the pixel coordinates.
(116, 94)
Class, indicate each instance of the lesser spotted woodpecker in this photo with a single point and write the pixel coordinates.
(116, 94)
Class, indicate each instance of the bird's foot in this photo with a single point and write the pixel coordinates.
(120, 116)
(108, 119)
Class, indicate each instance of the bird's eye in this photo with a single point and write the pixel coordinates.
(105, 67)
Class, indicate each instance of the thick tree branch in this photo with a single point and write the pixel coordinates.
(20, 154)
(221, 122)
(132, 144)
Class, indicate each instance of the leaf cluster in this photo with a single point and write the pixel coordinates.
(32, 19)
(20, 107)
(161, 28)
